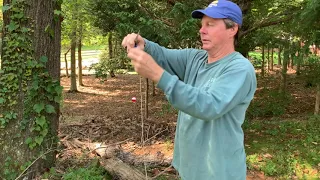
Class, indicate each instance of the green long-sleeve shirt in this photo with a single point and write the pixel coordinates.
(212, 100)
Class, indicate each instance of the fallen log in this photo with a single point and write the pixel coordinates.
(126, 155)
(119, 169)
(120, 162)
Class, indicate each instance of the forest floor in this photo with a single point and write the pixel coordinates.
(103, 112)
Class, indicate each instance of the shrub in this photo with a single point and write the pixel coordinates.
(274, 104)
(108, 65)
(89, 173)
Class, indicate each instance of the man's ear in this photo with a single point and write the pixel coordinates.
(233, 31)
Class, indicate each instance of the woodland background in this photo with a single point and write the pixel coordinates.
(66, 88)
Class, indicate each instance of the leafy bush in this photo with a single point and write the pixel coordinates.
(274, 104)
(108, 65)
(256, 58)
(311, 70)
(89, 173)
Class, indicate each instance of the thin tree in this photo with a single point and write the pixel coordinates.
(263, 62)
(73, 87)
(80, 57)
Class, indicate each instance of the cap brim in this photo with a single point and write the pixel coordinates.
(198, 14)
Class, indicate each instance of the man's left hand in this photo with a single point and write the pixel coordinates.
(144, 64)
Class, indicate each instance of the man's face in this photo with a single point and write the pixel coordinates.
(214, 33)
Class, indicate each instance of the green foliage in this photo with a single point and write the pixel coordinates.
(87, 173)
(311, 13)
(256, 58)
(107, 65)
(311, 70)
(52, 174)
(9, 171)
(25, 80)
(10, 167)
(14, 70)
(284, 149)
(273, 103)
(78, 17)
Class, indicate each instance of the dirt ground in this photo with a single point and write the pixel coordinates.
(104, 112)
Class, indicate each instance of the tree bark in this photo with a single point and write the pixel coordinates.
(299, 60)
(12, 144)
(317, 105)
(111, 52)
(263, 62)
(80, 60)
(268, 57)
(66, 62)
(271, 60)
(121, 170)
(292, 60)
(73, 87)
(284, 70)
(279, 55)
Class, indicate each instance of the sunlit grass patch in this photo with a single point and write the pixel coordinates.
(284, 149)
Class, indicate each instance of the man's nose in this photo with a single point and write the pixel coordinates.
(202, 30)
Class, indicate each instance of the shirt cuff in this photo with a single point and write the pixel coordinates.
(146, 45)
(167, 82)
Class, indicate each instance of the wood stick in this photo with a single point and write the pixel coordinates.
(121, 170)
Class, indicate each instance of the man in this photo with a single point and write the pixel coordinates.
(212, 89)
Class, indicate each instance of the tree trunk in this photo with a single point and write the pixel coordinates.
(279, 56)
(73, 87)
(299, 60)
(111, 72)
(284, 70)
(263, 62)
(316, 111)
(292, 59)
(271, 60)
(14, 150)
(80, 61)
(65, 60)
(268, 57)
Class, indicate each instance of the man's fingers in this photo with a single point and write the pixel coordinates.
(129, 41)
(135, 53)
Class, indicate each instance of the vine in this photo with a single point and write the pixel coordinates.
(24, 80)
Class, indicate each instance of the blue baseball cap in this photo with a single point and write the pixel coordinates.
(221, 9)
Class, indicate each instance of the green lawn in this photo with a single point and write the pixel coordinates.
(87, 52)
(86, 55)
(284, 149)
(85, 48)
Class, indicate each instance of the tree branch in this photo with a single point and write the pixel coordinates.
(144, 9)
(266, 24)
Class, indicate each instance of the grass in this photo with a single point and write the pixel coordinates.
(90, 172)
(86, 55)
(284, 149)
(87, 52)
(86, 48)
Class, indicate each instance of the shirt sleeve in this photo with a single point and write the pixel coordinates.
(231, 88)
(173, 61)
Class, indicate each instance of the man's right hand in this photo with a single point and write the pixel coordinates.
(133, 40)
